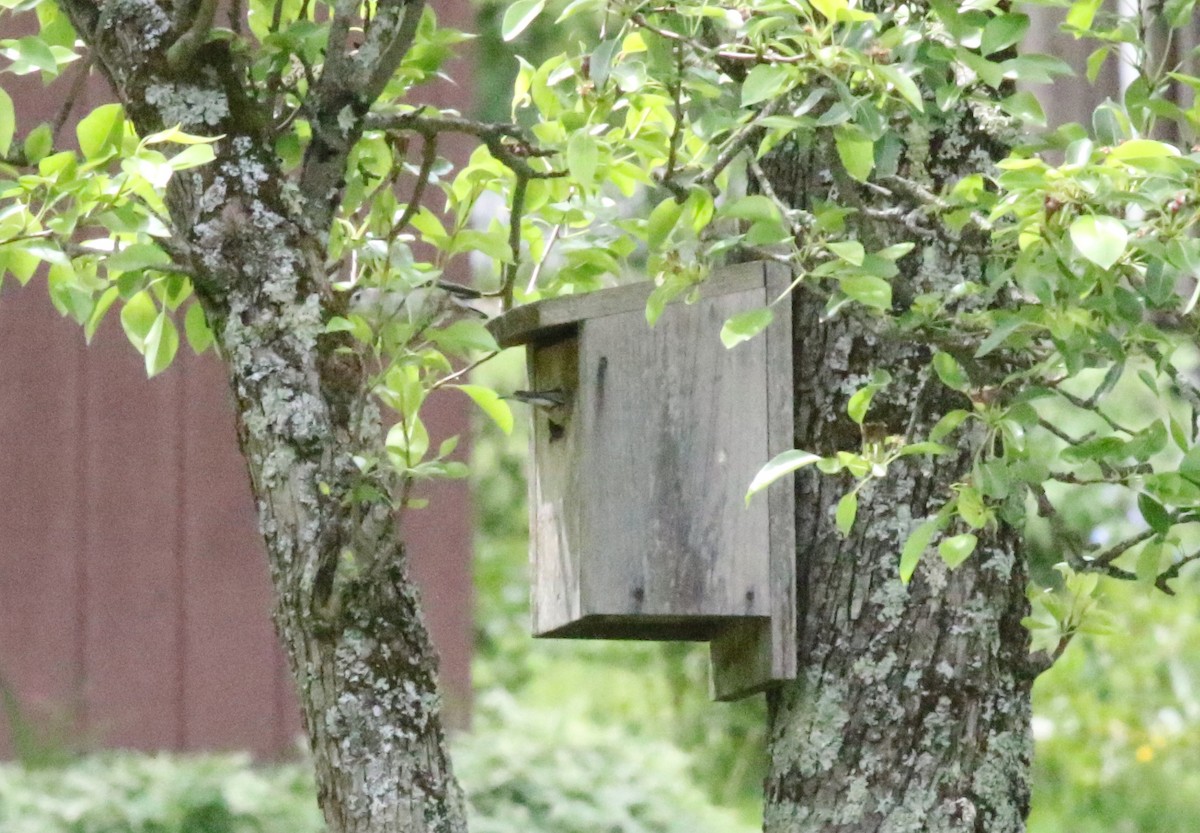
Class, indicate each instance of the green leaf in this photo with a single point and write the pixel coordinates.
(950, 372)
(192, 157)
(971, 508)
(8, 122)
(1096, 449)
(856, 150)
(1102, 240)
(947, 424)
(956, 550)
(29, 54)
(138, 317)
(195, 327)
(925, 448)
(1189, 466)
(766, 81)
(753, 207)
(903, 84)
(1095, 63)
(38, 143)
(162, 343)
(583, 156)
(177, 137)
(745, 325)
(100, 130)
(1024, 105)
(491, 404)
(785, 463)
(408, 441)
(1082, 13)
(136, 257)
(868, 289)
(915, 547)
(1142, 149)
(662, 221)
(103, 303)
(847, 509)
(1179, 12)
(1149, 558)
(1002, 32)
(462, 337)
(860, 401)
(518, 16)
(989, 72)
(895, 251)
(1154, 513)
(850, 251)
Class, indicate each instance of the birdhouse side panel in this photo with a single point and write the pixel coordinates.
(556, 501)
(673, 429)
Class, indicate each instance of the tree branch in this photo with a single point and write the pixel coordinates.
(350, 82)
(509, 143)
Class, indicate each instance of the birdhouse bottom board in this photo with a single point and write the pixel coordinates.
(640, 465)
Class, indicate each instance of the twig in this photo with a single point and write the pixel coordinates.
(276, 17)
(84, 70)
(676, 133)
(1042, 661)
(458, 374)
(737, 143)
(757, 56)
(21, 238)
(514, 241)
(1173, 572)
(537, 267)
(493, 134)
(394, 51)
(1111, 554)
(237, 11)
(1062, 435)
(1090, 405)
(428, 158)
(764, 185)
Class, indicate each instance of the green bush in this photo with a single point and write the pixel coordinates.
(125, 792)
(537, 771)
(1118, 722)
(524, 771)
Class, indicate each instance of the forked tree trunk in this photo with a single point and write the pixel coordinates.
(911, 711)
(345, 610)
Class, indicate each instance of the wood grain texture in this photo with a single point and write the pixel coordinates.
(748, 658)
(639, 526)
(671, 424)
(556, 503)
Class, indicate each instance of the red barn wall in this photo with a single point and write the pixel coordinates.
(134, 598)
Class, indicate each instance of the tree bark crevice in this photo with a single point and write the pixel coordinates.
(911, 711)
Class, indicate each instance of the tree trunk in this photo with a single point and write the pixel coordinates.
(911, 711)
(345, 609)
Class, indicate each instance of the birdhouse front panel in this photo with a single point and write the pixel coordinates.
(671, 432)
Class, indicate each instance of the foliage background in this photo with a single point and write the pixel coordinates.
(622, 738)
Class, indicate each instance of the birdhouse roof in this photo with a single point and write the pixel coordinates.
(555, 317)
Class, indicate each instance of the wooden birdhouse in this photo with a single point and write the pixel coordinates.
(644, 444)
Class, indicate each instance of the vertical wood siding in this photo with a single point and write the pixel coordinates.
(134, 598)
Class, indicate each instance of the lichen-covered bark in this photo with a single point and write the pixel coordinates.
(345, 609)
(911, 711)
